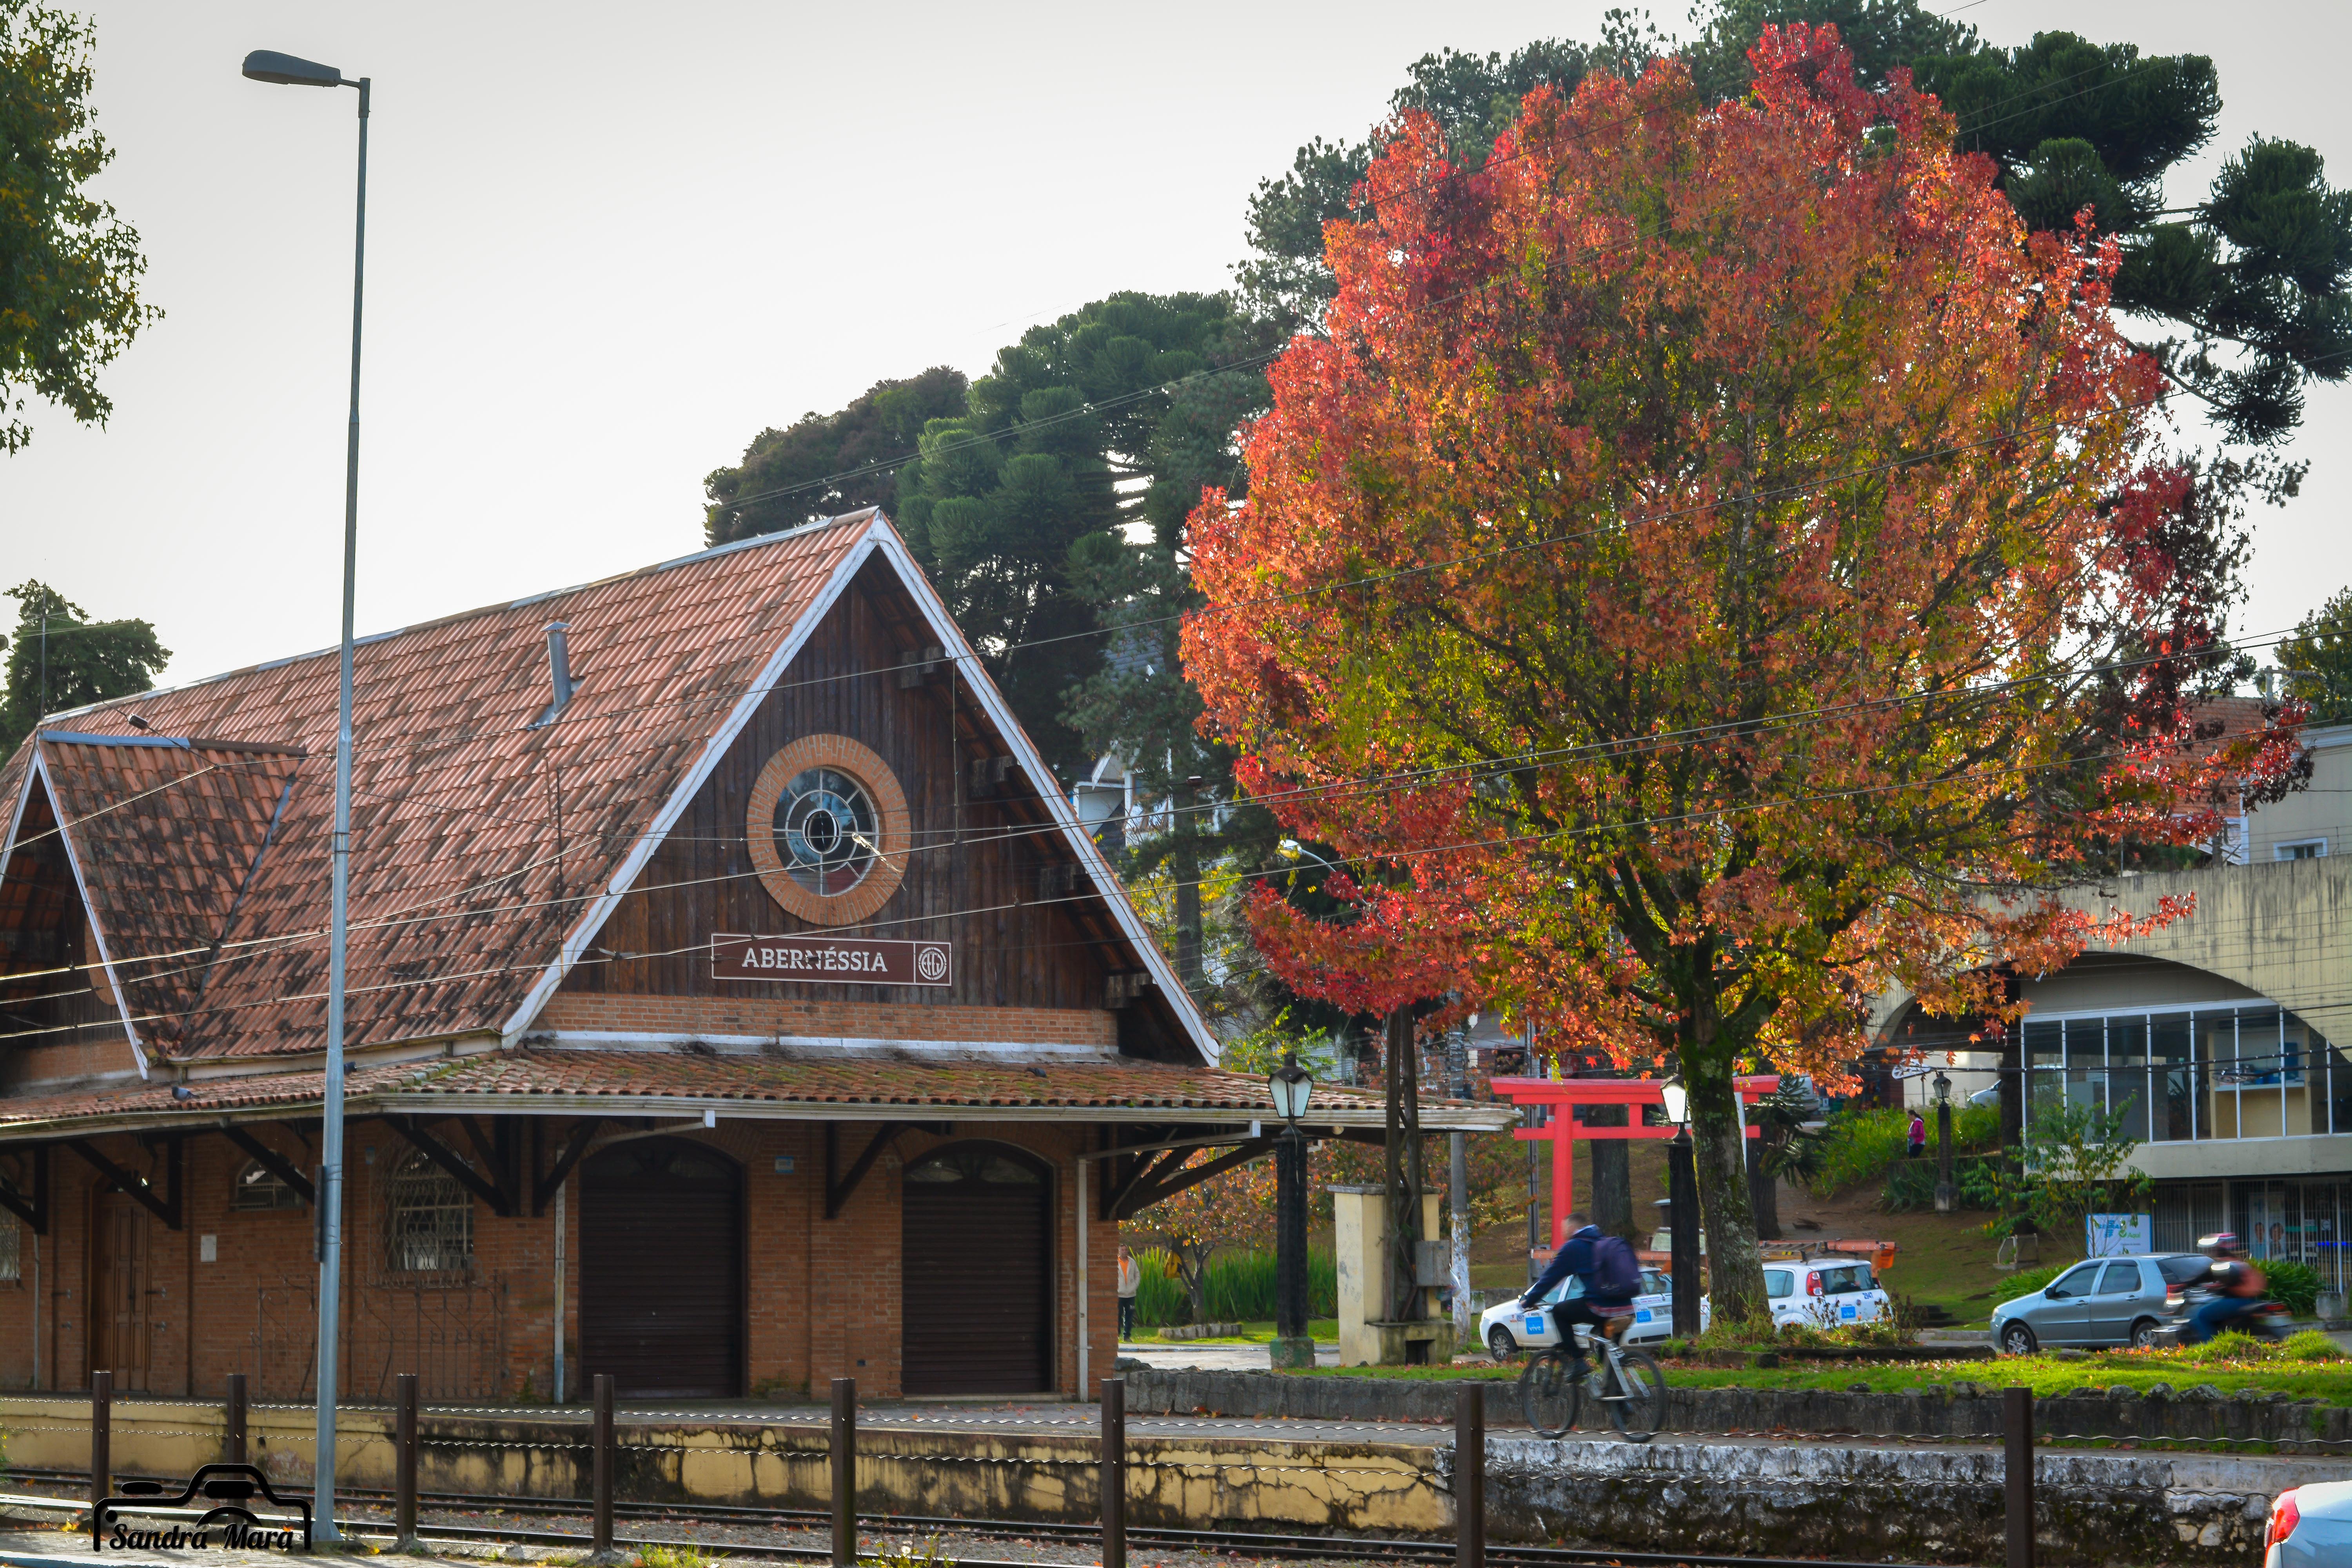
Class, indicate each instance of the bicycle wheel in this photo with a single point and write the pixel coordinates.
(1636, 1396)
(1548, 1396)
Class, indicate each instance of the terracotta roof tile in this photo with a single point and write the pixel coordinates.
(460, 888)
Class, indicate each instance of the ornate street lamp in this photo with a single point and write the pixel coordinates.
(1292, 1086)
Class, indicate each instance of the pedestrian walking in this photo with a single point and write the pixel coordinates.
(1131, 1279)
(1918, 1135)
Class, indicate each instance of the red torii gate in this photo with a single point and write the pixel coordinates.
(1563, 1094)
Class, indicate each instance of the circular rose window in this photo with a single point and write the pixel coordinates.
(827, 827)
(827, 831)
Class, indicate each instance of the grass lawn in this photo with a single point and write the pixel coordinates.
(2327, 1381)
(1324, 1329)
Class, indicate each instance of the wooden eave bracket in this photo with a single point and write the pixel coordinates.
(543, 1188)
(837, 1189)
(1141, 1194)
(269, 1160)
(166, 1209)
(34, 1211)
(494, 1193)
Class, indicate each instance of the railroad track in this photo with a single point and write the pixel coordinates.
(1224, 1543)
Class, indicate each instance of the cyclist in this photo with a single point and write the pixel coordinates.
(1611, 1276)
(2237, 1286)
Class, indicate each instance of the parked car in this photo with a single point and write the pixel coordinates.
(1823, 1292)
(2311, 1526)
(2100, 1302)
(1507, 1328)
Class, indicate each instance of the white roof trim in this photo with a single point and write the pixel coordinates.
(592, 919)
(1041, 778)
(818, 1048)
(88, 910)
(15, 820)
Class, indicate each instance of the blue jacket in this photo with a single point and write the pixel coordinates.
(1575, 1257)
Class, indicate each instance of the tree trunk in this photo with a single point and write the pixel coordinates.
(1763, 1194)
(1735, 1263)
(1405, 1178)
(1613, 1172)
(1184, 866)
(1196, 1281)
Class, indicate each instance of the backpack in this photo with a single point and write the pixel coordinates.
(1615, 1270)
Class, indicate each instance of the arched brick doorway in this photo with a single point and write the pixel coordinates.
(661, 1269)
(976, 1271)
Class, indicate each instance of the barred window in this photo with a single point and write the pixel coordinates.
(12, 1267)
(257, 1189)
(429, 1220)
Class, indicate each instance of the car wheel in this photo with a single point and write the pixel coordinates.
(1501, 1342)
(2143, 1335)
(2018, 1339)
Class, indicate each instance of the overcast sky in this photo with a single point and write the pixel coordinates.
(608, 245)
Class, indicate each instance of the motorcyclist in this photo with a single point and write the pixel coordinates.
(1611, 1276)
(2236, 1287)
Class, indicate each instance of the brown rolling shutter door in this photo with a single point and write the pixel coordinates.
(978, 1303)
(661, 1281)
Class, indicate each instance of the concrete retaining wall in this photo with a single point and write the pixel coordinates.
(1960, 1410)
(1378, 1489)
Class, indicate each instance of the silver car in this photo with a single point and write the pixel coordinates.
(2102, 1302)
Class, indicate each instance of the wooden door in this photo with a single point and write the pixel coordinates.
(118, 1290)
(977, 1302)
(661, 1269)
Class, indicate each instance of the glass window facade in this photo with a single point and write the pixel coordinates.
(2252, 1070)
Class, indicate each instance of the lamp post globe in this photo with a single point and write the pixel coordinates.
(1292, 1086)
(1677, 1101)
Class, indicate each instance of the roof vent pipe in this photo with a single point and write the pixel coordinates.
(559, 667)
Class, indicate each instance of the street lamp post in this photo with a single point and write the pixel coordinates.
(1682, 1210)
(288, 70)
(1292, 1086)
(1946, 1196)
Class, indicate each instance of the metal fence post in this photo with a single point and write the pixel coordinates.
(601, 1469)
(1112, 1481)
(403, 1464)
(2017, 1472)
(232, 1444)
(844, 1472)
(1469, 1477)
(102, 1444)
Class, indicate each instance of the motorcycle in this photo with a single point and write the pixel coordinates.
(2262, 1320)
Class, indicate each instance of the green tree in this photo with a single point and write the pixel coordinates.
(70, 268)
(60, 659)
(826, 463)
(2250, 281)
(2317, 661)
(1062, 488)
(2077, 1163)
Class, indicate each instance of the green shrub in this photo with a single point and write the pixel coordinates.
(1859, 1146)
(1911, 1185)
(1241, 1288)
(2026, 1281)
(2297, 1284)
(2228, 1348)
(2310, 1344)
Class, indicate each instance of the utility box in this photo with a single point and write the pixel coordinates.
(1360, 1236)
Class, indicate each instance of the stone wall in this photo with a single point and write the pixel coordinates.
(1966, 1411)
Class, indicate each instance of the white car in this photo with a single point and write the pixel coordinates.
(2311, 1526)
(1507, 1328)
(1823, 1292)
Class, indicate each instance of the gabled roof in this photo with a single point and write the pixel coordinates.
(470, 893)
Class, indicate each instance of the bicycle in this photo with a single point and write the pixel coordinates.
(1628, 1384)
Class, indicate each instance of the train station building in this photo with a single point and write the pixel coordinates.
(734, 1002)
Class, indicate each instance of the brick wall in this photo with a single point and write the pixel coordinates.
(823, 1297)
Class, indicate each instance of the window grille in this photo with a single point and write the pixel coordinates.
(12, 1267)
(257, 1189)
(429, 1220)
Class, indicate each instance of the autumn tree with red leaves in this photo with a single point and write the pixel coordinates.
(1716, 567)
